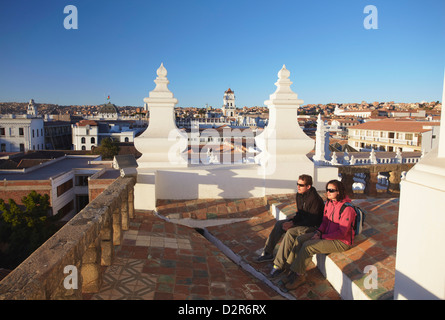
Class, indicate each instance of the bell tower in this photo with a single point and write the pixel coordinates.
(229, 103)
(32, 108)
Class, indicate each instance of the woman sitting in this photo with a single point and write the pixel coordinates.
(335, 234)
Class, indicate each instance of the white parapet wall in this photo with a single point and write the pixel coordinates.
(344, 285)
(214, 182)
(198, 182)
(324, 174)
(420, 260)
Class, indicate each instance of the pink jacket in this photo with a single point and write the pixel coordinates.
(333, 228)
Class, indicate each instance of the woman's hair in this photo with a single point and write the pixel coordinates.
(340, 187)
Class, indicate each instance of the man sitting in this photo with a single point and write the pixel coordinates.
(307, 219)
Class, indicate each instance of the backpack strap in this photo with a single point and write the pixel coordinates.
(343, 207)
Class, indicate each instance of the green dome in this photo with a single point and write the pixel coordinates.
(108, 108)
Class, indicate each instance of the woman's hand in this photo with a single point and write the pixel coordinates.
(317, 235)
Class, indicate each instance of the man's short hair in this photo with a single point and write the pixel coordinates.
(306, 178)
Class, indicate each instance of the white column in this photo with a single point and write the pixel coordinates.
(420, 259)
(162, 143)
(283, 143)
(322, 152)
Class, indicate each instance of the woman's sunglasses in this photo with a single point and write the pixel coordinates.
(331, 190)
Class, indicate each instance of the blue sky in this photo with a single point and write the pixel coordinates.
(209, 46)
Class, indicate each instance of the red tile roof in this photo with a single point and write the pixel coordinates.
(83, 123)
(396, 125)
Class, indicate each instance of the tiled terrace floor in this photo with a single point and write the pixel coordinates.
(161, 260)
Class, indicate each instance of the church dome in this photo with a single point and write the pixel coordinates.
(229, 91)
(108, 108)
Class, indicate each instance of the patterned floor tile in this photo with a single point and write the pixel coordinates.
(162, 260)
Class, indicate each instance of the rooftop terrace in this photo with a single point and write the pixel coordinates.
(162, 258)
(195, 249)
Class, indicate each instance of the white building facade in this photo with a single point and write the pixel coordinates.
(88, 134)
(85, 134)
(21, 133)
(392, 135)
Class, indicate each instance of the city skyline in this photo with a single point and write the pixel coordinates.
(209, 46)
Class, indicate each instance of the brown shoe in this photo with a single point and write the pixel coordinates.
(297, 281)
(290, 277)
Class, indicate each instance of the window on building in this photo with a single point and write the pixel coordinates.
(84, 148)
(408, 136)
(22, 147)
(2, 131)
(391, 135)
(64, 187)
(33, 133)
(21, 132)
(81, 180)
(126, 139)
(83, 140)
(3, 147)
(66, 208)
(93, 140)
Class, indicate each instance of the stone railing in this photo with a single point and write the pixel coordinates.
(371, 178)
(69, 263)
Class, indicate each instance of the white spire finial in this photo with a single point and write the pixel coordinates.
(161, 72)
(283, 93)
(161, 89)
(283, 74)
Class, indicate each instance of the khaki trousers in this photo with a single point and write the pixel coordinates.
(305, 248)
(277, 232)
(285, 249)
